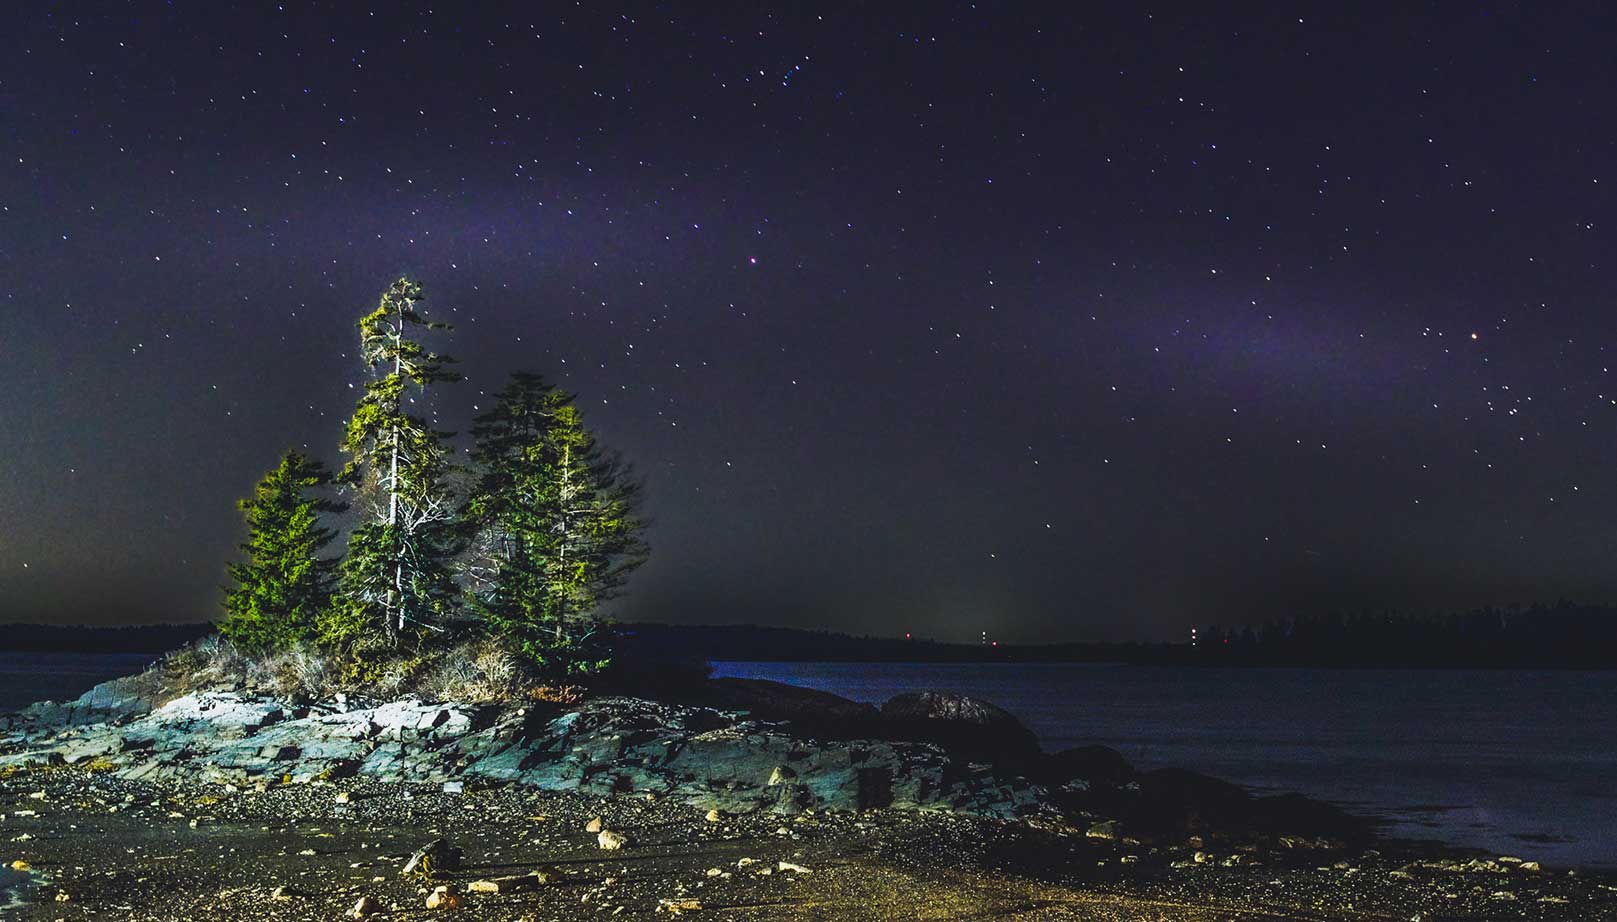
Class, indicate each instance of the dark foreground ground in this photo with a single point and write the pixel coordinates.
(99, 848)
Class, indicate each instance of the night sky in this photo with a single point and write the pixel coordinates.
(1055, 323)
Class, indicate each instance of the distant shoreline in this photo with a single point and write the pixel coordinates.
(752, 643)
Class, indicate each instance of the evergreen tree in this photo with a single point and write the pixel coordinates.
(395, 581)
(283, 585)
(557, 532)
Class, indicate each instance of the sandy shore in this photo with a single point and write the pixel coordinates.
(97, 847)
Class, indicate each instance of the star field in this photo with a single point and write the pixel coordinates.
(1049, 322)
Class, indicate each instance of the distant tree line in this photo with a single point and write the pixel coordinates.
(1562, 635)
(742, 642)
(1586, 640)
(59, 638)
(523, 542)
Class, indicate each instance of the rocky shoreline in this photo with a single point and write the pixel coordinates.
(752, 799)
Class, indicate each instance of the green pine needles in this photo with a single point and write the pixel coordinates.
(556, 528)
(396, 580)
(284, 585)
(544, 533)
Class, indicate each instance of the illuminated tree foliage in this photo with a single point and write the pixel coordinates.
(555, 528)
(395, 582)
(545, 526)
(284, 584)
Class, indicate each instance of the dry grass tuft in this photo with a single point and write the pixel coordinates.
(557, 694)
(301, 672)
(211, 661)
(475, 669)
(482, 669)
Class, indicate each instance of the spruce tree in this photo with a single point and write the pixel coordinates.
(284, 584)
(557, 530)
(395, 581)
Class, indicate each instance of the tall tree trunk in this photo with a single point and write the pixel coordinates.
(393, 491)
(566, 493)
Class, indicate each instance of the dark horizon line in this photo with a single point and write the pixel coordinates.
(1563, 636)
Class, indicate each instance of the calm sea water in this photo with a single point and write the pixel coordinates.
(1516, 762)
(30, 677)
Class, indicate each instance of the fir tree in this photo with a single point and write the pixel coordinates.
(557, 529)
(284, 584)
(395, 580)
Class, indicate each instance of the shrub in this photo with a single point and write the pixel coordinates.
(301, 671)
(213, 660)
(481, 669)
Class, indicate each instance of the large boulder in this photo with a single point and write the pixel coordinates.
(1177, 801)
(959, 723)
(1174, 803)
(807, 710)
(1093, 765)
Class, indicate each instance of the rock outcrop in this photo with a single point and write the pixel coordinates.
(769, 750)
(711, 759)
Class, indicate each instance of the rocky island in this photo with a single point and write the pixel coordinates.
(726, 798)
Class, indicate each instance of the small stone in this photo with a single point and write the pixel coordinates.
(676, 907)
(509, 884)
(344, 797)
(20, 865)
(1201, 857)
(62, 897)
(794, 868)
(365, 907)
(454, 787)
(1531, 867)
(280, 893)
(444, 898)
(612, 841)
(714, 872)
(713, 816)
(594, 825)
